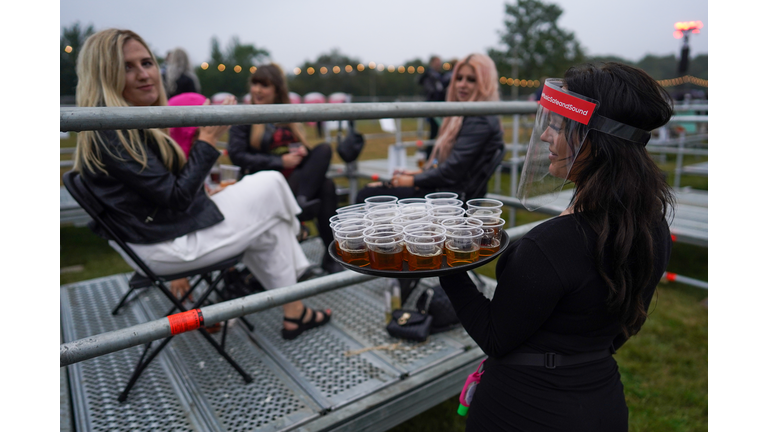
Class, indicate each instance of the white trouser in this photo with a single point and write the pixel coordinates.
(259, 220)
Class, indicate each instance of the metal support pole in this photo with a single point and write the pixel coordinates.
(513, 170)
(679, 164)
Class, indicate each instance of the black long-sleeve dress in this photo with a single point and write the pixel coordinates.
(549, 298)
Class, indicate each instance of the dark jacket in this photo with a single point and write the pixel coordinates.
(433, 84)
(153, 204)
(469, 161)
(250, 159)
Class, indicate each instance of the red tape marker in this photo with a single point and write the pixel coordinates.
(674, 237)
(375, 177)
(671, 276)
(185, 321)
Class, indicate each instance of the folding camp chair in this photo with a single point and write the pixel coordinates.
(90, 203)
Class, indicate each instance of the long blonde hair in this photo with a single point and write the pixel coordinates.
(487, 89)
(100, 83)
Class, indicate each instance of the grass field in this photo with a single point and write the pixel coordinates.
(664, 368)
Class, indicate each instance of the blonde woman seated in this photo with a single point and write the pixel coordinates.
(154, 193)
(464, 147)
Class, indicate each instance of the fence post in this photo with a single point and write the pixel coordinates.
(679, 164)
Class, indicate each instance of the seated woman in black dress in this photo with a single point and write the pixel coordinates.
(283, 147)
(154, 193)
(464, 146)
(576, 287)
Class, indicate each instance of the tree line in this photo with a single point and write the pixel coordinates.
(533, 47)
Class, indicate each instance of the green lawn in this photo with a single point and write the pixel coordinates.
(664, 368)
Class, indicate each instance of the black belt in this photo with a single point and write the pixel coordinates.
(551, 360)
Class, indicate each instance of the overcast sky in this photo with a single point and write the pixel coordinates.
(390, 32)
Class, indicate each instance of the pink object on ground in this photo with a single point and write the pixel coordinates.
(184, 135)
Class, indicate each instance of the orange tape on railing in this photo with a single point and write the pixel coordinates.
(185, 321)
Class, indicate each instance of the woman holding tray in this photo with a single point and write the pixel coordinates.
(576, 287)
(154, 192)
(464, 147)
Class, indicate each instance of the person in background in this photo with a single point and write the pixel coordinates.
(434, 85)
(179, 76)
(186, 136)
(464, 147)
(576, 287)
(283, 147)
(154, 193)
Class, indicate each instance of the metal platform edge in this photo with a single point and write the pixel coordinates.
(384, 410)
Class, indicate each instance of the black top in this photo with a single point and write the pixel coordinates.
(549, 298)
(153, 204)
(252, 159)
(184, 84)
(476, 143)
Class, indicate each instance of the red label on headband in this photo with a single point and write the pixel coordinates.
(566, 105)
(185, 321)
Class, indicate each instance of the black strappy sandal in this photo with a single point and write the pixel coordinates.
(302, 326)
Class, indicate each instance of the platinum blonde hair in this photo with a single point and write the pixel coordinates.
(177, 65)
(100, 83)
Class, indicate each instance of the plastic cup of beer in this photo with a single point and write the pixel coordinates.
(444, 212)
(381, 215)
(441, 202)
(404, 220)
(353, 208)
(484, 203)
(380, 200)
(461, 222)
(491, 240)
(385, 247)
(402, 202)
(425, 250)
(440, 195)
(229, 175)
(353, 248)
(462, 245)
(483, 212)
(348, 234)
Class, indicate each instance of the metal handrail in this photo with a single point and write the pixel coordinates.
(107, 118)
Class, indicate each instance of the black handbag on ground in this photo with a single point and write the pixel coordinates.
(440, 308)
(443, 315)
(410, 323)
(350, 147)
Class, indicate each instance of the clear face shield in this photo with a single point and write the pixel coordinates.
(561, 127)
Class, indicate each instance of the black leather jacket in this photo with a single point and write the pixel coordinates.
(153, 204)
(248, 158)
(465, 167)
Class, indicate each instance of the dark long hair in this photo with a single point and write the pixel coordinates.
(620, 191)
(272, 74)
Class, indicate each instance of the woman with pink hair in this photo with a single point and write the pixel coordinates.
(464, 146)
